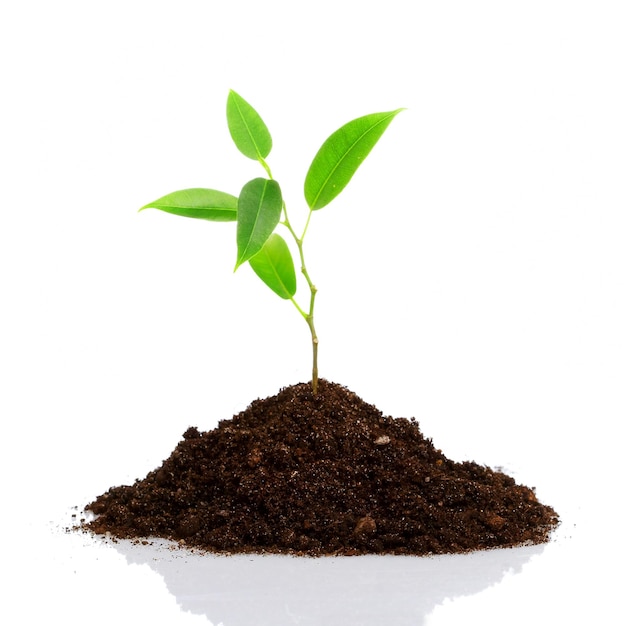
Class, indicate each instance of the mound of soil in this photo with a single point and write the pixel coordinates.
(321, 474)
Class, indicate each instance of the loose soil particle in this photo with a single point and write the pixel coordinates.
(317, 475)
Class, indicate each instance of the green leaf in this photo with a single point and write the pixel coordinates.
(247, 129)
(258, 212)
(273, 264)
(340, 156)
(206, 204)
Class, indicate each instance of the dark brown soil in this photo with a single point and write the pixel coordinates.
(324, 474)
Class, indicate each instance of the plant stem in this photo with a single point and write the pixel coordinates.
(314, 340)
(266, 167)
(312, 288)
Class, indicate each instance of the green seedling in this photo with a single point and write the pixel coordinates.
(260, 209)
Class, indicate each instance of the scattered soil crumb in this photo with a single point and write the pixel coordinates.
(323, 474)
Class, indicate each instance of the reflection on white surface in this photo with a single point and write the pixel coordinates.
(241, 590)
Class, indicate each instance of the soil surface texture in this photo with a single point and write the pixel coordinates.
(318, 475)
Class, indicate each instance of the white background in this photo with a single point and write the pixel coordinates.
(472, 275)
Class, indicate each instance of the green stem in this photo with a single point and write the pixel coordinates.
(314, 340)
(266, 167)
(312, 288)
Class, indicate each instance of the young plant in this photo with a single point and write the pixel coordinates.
(260, 208)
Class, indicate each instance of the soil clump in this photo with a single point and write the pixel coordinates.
(319, 475)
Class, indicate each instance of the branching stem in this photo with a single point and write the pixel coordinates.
(308, 316)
